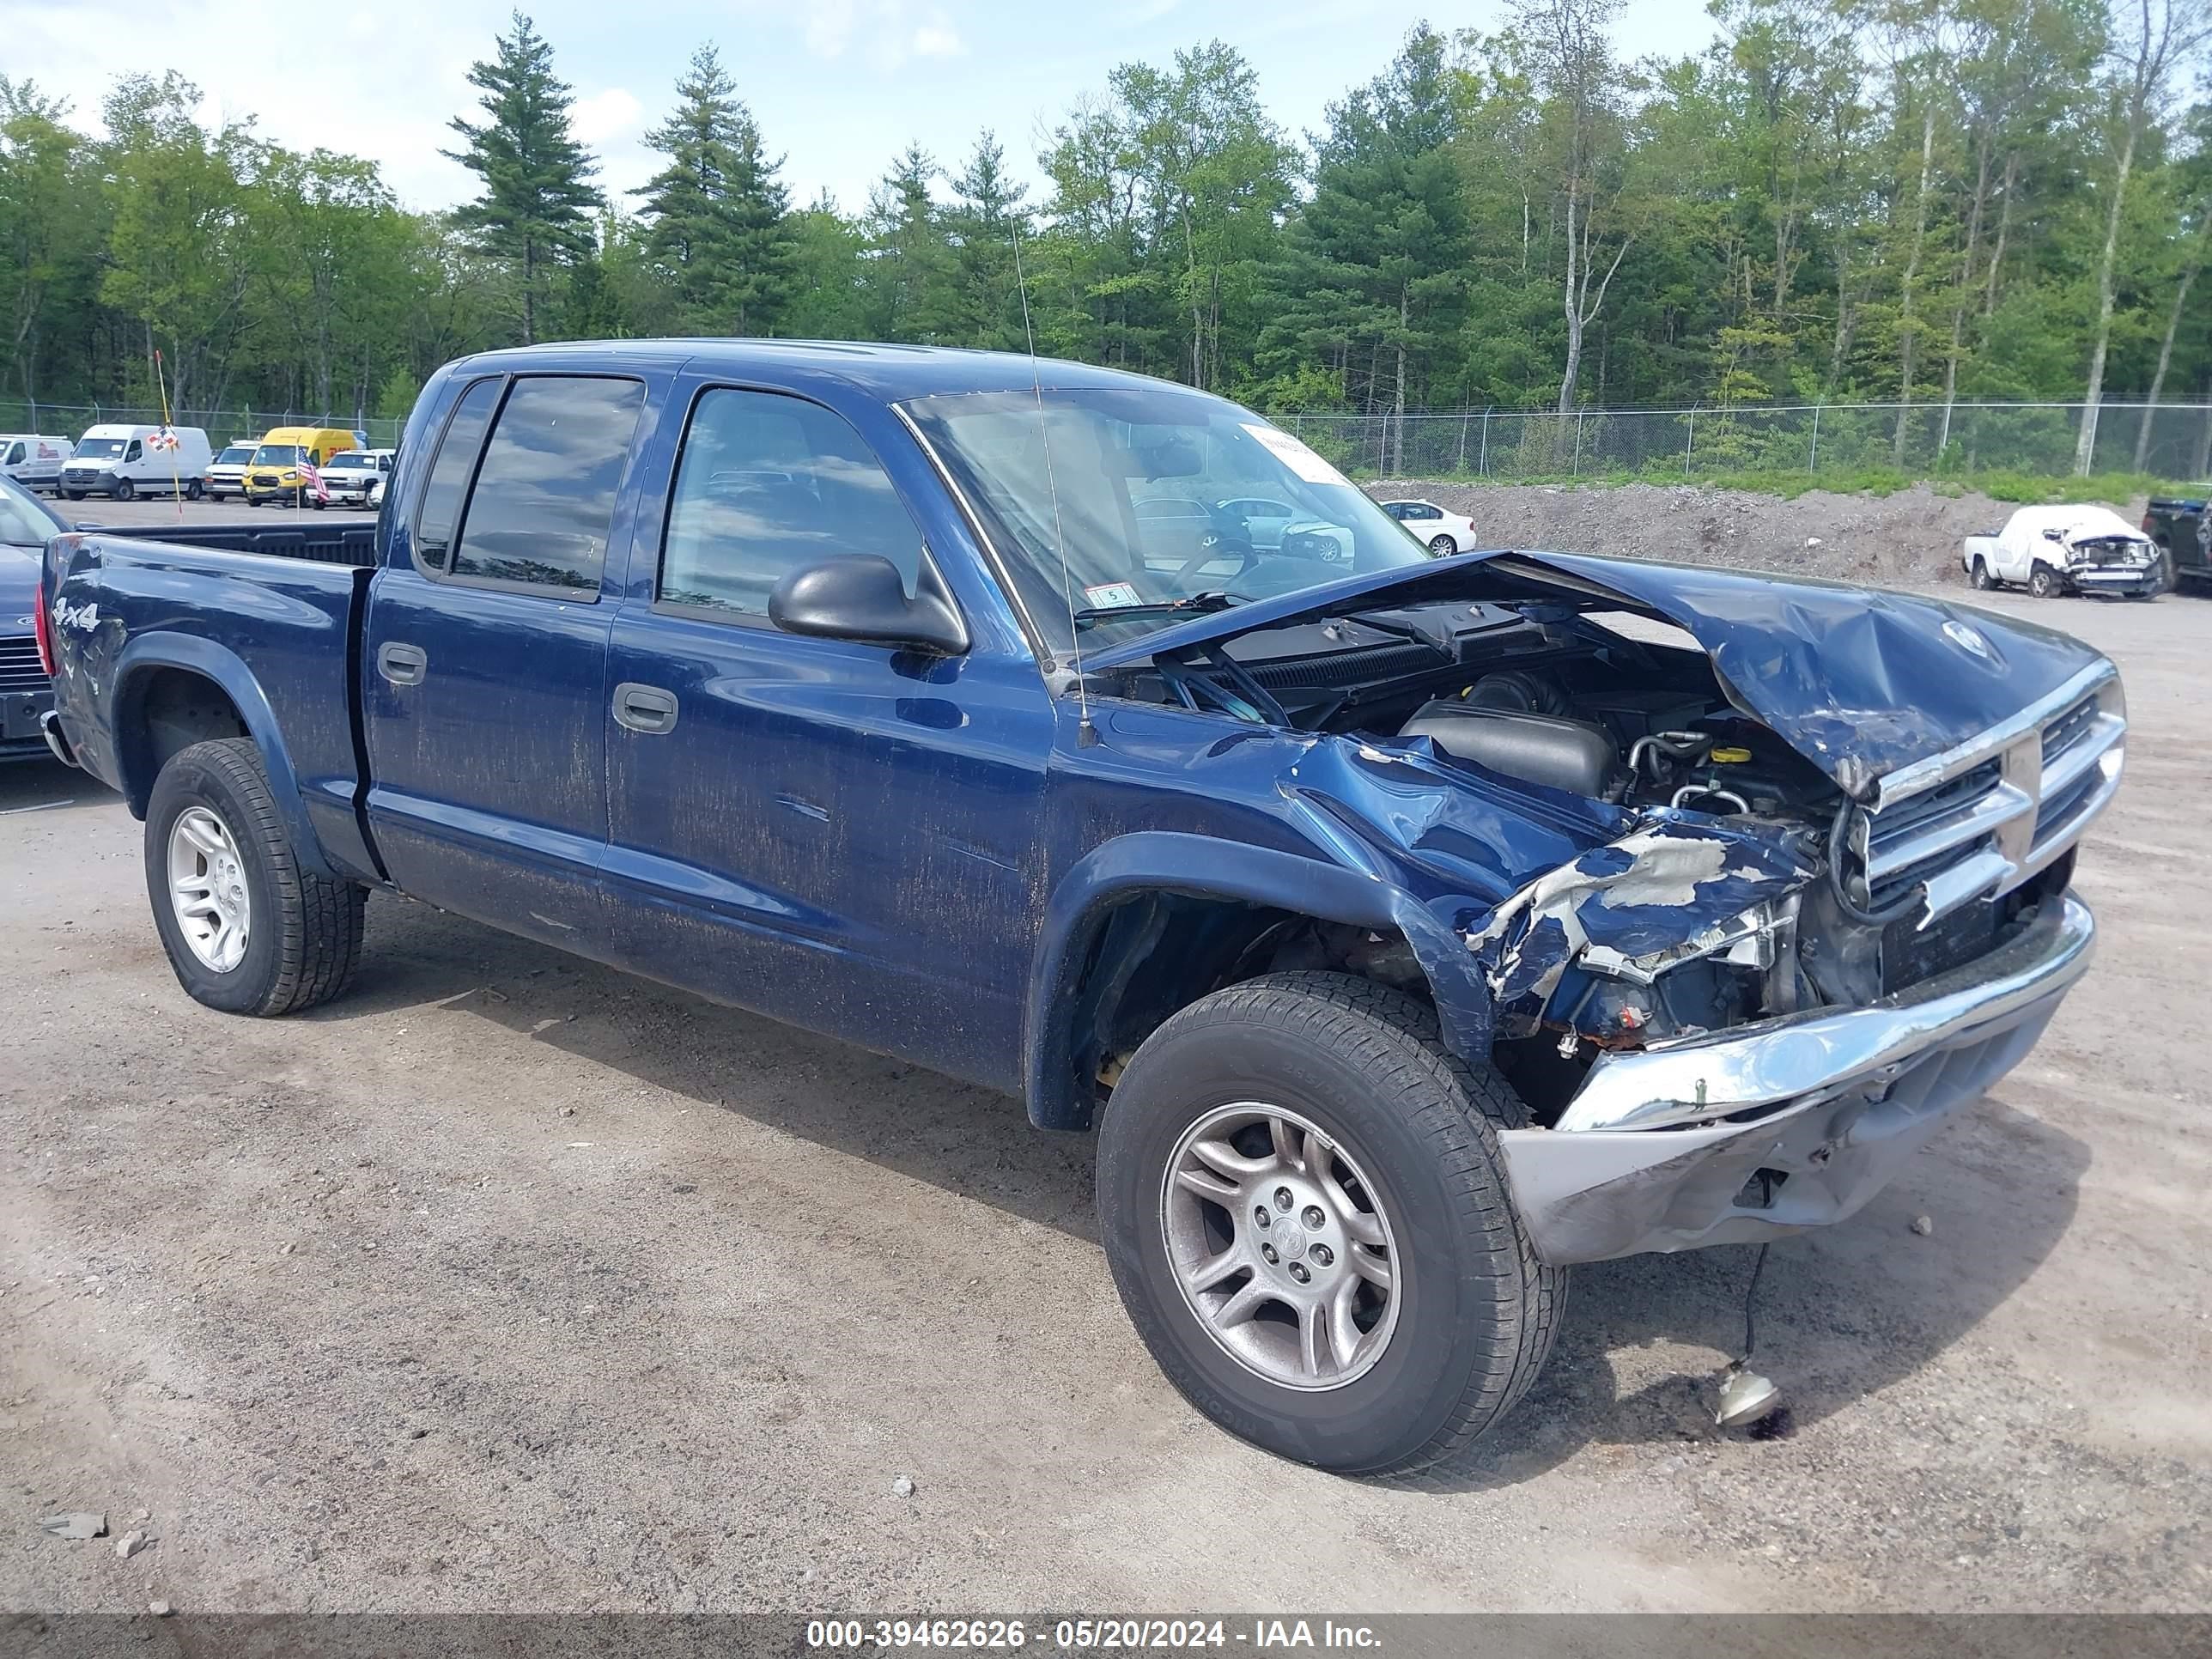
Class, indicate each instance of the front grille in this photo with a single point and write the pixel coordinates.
(1983, 819)
(19, 665)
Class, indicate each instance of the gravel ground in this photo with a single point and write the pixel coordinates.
(508, 1282)
(1911, 537)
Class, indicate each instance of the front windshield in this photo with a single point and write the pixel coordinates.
(236, 455)
(23, 521)
(99, 449)
(276, 455)
(1158, 495)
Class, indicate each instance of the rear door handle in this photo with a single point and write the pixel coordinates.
(402, 664)
(646, 708)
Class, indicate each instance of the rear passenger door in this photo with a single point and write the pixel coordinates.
(486, 655)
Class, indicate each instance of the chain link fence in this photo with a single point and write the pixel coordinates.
(2171, 441)
(223, 426)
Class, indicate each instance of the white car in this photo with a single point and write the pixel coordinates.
(354, 475)
(226, 474)
(1444, 533)
(2052, 551)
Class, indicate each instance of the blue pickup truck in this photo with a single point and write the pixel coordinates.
(1407, 929)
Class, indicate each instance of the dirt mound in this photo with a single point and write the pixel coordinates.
(1912, 536)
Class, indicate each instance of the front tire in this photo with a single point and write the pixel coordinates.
(2043, 582)
(122, 491)
(1339, 1092)
(247, 930)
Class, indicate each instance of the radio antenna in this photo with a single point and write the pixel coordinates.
(1086, 734)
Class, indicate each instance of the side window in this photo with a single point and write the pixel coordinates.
(545, 496)
(449, 474)
(767, 484)
(134, 451)
(14, 454)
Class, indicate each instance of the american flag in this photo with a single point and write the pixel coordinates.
(311, 477)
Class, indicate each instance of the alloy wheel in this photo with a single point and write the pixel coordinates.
(208, 891)
(1281, 1247)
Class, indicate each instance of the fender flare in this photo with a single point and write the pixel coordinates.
(227, 670)
(1201, 867)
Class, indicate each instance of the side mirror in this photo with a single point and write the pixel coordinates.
(860, 596)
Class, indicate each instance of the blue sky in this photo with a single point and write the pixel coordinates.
(839, 86)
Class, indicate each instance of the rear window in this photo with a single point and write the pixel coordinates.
(545, 496)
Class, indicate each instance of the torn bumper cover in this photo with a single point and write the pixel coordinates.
(1797, 1122)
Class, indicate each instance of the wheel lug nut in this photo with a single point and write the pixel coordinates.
(1298, 1272)
(1313, 1218)
(1322, 1255)
(1283, 1199)
(1260, 1216)
(1267, 1253)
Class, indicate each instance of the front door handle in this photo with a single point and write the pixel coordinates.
(402, 664)
(645, 708)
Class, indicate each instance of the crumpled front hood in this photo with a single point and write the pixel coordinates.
(1861, 681)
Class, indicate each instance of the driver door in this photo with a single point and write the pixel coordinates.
(830, 832)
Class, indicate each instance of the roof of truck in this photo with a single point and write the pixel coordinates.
(890, 372)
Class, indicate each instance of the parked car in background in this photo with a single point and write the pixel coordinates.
(26, 693)
(2182, 527)
(226, 472)
(351, 477)
(1444, 533)
(279, 469)
(32, 461)
(1407, 932)
(2079, 549)
(122, 461)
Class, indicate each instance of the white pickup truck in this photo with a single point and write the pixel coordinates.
(2050, 550)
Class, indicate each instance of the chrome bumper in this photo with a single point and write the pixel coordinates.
(1645, 1157)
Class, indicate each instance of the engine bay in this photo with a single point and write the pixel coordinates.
(1558, 701)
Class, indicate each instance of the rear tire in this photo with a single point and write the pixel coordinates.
(302, 932)
(1979, 578)
(1442, 547)
(192, 490)
(1471, 1311)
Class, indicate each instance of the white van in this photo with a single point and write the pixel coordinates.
(32, 461)
(119, 462)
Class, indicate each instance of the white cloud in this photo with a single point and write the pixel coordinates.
(938, 39)
(604, 115)
(829, 27)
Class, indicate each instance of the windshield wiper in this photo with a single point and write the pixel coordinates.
(1198, 605)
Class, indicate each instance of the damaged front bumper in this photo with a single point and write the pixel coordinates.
(1745, 1135)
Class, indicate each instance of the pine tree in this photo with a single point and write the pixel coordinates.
(718, 214)
(984, 304)
(537, 179)
(907, 262)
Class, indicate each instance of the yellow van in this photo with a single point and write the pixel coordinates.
(273, 474)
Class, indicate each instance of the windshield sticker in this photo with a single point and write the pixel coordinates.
(1110, 596)
(1294, 455)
